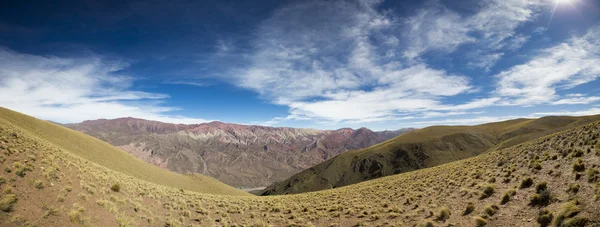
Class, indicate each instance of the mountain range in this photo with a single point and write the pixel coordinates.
(244, 156)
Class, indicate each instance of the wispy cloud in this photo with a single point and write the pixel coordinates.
(592, 111)
(351, 64)
(70, 90)
(576, 100)
(492, 29)
(189, 82)
(561, 67)
(334, 71)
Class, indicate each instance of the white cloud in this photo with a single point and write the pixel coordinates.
(492, 29)
(462, 121)
(436, 29)
(592, 111)
(70, 90)
(561, 67)
(340, 67)
(576, 100)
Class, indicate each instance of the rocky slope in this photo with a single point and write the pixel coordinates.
(240, 155)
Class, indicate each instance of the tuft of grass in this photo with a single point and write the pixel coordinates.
(526, 183)
(506, 197)
(567, 215)
(7, 202)
(426, 223)
(490, 210)
(443, 214)
(543, 186)
(592, 175)
(479, 221)
(115, 187)
(543, 198)
(49, 211)
(470, 208)
(488, 190)
(578, 165)
(573, 188)
(20, 169)
(545, 218)
(75, 217)
(260, 223)
(38, 184)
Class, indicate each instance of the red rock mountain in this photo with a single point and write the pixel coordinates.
(240, 155)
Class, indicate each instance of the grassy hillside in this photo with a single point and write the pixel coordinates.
(419, 149)
(553, 180)
(104, 154)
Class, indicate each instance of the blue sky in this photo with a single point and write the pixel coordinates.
(318, 64)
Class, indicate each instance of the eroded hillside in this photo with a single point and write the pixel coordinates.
(239, 155)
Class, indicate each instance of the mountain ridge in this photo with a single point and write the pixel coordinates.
(420, 149)
(240, 155)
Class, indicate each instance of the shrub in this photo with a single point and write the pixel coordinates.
(578, 165)
(545, 218)
(490, 210)
(75, 217)
(443, 214)
(542, 198)
(38, 184)
(592, 175)
(566, 215)
(470, 208)
(541, 187)
(115, 188)
(505, 199)
(526, 183)
(20, 169)
(426, 223)
(7, 202)
(573, 188)
(577, 154)
(479, 221)
(488, 190)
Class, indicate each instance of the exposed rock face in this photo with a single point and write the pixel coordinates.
(239, 155)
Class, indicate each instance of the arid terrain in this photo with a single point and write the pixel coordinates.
(239, 155)
(551, 180)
